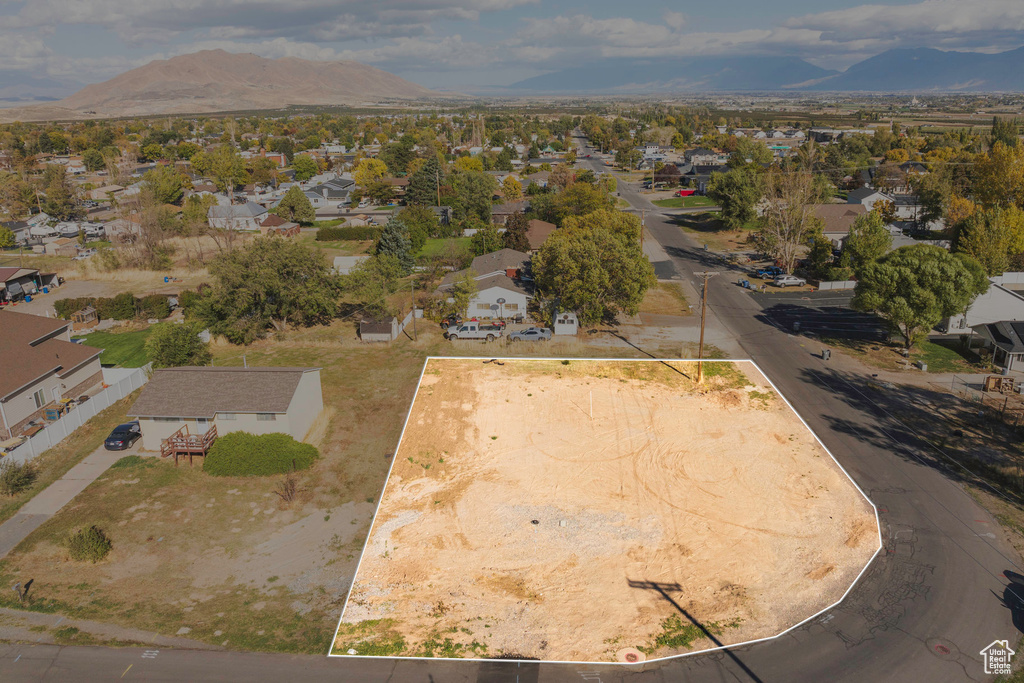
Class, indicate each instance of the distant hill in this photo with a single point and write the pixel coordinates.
(215, 80)
(899, 70)
(926, 69)
(627, 76)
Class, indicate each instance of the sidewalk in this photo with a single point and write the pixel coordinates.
(55, 496)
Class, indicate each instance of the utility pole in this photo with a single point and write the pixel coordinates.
(706, 275)
(412, 290)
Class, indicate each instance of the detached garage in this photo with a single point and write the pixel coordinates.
(254, 400)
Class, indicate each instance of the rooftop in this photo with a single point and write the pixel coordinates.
(175, 392)
(30, 351)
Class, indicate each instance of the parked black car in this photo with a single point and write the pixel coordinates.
(123, 437)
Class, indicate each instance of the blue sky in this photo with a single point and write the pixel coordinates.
(468, 43)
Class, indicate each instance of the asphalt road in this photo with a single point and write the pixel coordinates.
(935, 596)
(823, 313)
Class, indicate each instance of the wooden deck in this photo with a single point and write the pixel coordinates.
(183, 443)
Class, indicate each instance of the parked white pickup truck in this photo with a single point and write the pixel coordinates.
(475, 330)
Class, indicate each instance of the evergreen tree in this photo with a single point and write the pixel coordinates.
(394, 241)
(423, 183)
(1005, 131)
(515, 232)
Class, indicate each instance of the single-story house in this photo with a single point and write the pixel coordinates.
(246, 216)
(332, 194)
(343, 265)
(837, 219)
(254, 400)
(1006, 339)
(499, 275)
(275, 225)
(105, 192)
(868, 197)
(538, 233)
(19, 228)
(40, 365)
(998, 304)
(501, 212)
(65, 246)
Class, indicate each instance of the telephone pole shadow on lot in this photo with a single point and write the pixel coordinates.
(664, 589)
(508, 672)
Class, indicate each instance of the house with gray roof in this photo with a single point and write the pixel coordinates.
(1006, 339)
(254, 400)
(504, 286)
(331, 194)
(246, 216)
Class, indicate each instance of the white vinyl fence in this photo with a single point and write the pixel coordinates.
(837, 284)
(57, 431)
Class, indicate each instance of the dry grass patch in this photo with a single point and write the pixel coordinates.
(665, 298)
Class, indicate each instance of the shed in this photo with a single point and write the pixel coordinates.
(84, 319)
(567, 323)
(378, 330)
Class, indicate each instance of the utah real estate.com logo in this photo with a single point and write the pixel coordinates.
(997, 658)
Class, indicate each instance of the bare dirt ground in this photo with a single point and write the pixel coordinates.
(519, 521)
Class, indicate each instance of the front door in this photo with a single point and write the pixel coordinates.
(56, 394)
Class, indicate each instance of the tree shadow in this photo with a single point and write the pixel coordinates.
(1013, 598)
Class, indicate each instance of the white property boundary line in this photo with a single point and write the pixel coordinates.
(394, 457)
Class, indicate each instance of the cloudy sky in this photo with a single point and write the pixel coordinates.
(467, 43)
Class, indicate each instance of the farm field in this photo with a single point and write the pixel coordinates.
(571, 510)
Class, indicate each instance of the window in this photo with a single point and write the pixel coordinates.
(40, 398)
(167, 419)
(265, 417)
(511, 307)
(227, 416)
(483, 307)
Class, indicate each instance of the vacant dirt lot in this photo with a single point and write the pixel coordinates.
(520, 521)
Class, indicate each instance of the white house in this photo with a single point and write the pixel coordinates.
(246, 216)
(253, 400)
(502, 289)
(867, 197)
(999, 304)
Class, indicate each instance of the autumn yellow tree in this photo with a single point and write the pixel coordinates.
(512, 189)
(469, 164)
(369, 171)
(999, 177)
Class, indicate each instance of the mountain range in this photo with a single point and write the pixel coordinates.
(217, 81)
(899, 70)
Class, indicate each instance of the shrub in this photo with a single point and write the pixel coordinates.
(155, 306)
(89, 544)
(241, 454)
(15, 477)
(368, 232)
(121, 307)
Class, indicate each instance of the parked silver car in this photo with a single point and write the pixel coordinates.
(789, 281)
(531, 334)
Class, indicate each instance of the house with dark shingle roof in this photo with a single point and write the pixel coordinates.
(1006, 339)
(501, 275)
(254, 400)
(39, 365)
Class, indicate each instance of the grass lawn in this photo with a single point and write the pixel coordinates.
(337, 248)
(665, 298)
(940, 356)
(124, 349)
(708, 228)
(436, 246)
(334, 222)
(683, 202)
(53, 464)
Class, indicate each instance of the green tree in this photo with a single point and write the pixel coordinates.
(151, 152)
(869, 241)
(175, 346)
(6, 237)
(619, 222)
(93, 159)
(595, 272)
(370, 282)
(60, 202)
(913, 288)
(421, 223)
(166, 184)
(1005, 131)
(424, 183)
(305, 167)
(579, 199)
(737, 191)
(471, 194)
(295, 206)
(270, 283)
(516, 228)
(394, 241)
(486, 240)
(398, 155)
(455, 300)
